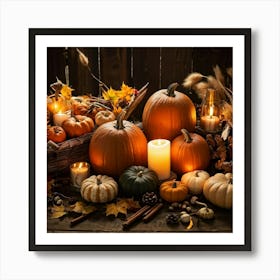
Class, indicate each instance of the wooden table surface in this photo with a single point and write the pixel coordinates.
(99, 222)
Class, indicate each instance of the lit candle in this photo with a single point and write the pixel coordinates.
(60, 117)
(79, 172)
(159, 157)
(210, 123)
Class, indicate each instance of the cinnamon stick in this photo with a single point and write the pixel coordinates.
(80, 219)
(152, 212)
(136, 216)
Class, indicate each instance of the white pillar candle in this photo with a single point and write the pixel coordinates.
(59, 118)
(79, 172)
(159, 157)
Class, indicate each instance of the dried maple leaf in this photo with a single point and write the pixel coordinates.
(129, 203)
(121, 207)
(81, 207)
(57, 211)
(112, 209)
(116, 208)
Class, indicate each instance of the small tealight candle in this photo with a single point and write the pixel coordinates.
(209, 123)
(159, 157)
(79, 172)
(60, 117)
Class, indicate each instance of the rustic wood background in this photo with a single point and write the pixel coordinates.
(134, 66)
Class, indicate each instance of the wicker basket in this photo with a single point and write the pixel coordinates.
(61, 156)
(68, 152)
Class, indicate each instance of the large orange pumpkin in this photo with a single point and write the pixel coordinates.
(189, 152)
(117, 145)
(166, 112)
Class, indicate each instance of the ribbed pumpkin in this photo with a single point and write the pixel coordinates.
(56, 134)
(195, 180)
(99, 189)
(173, 191)
(104, 116)
(78, 125)
(218, 190)
(117, 145)
(136, 180)
(189, 152)
(166, 112)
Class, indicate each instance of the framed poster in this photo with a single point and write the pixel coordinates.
(131, 139)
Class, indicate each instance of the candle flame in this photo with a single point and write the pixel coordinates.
(80, 165)
(211, 111)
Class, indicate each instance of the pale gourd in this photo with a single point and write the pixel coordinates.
(195, 180)
(218, 190)
(99, 189)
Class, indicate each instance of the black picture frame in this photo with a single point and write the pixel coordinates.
(33, 165)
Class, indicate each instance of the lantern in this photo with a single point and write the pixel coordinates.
(210, 112)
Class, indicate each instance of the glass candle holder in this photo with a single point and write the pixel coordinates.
(79, 171)
(210, 112)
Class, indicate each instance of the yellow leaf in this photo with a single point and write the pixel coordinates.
(58, 214)
(66, 91)
(130, 203)
(81, 207)
(121, 207)
(57, 211)
(112, 209)
(122, 210)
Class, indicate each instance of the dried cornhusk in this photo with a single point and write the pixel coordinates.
(83, 59)
(192, 79)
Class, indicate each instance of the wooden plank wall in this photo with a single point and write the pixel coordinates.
(134, 66)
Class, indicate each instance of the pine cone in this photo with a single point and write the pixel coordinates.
(149, 198)
(172, 219)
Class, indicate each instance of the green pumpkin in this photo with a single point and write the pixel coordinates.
(137, 180)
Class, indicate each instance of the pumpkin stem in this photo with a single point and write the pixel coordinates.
(186, 135)
(174, 185)
(140, 174)
(98, 181)
(171, 88)
(120, 118)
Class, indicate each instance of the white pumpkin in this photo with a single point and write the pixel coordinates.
(218, 190)
(99, 189)
(195, 180)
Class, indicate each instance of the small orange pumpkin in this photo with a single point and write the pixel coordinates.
(166, 112)
(78, 125)
(173, 191)
(189, 152)
(56, 134)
